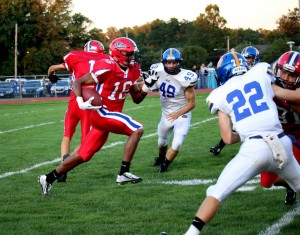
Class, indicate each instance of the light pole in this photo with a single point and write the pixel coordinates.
(227, 38)
(291, 43)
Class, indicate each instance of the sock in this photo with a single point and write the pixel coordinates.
(192, 231)
(222, 144)
(52, 176)
(124, 167)
(167, 162)
(161, 156)
(198, 223)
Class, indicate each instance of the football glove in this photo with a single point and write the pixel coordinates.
(150, 78)
(87, 104)
(279, 82)
(54, 78)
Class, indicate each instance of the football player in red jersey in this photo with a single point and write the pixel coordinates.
(78, 63)
(287, 73)
(114, 79)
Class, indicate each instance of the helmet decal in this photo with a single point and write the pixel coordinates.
(124, 51)
(230, 64)
(237, 61)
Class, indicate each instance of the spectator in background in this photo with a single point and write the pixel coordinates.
(196, 70)
(14, 84)
(47, 85)
(203, 73)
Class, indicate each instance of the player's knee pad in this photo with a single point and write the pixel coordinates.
(176, 145)
(177, 142)
(162, 142)
(217, 194)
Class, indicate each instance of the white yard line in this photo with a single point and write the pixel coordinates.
(26, 127)
(286, 219)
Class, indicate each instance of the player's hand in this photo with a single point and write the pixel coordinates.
(54, 78)
(150, 78)
(87, 104)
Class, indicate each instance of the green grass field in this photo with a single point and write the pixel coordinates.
(90, 202)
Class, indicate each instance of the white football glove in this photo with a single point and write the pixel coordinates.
(87, 104)
(150, 78)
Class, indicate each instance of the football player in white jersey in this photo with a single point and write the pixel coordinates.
(245, 102)
(251, 54)
(177, 98)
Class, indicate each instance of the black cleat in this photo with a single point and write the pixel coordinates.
(158, 161)
(290, 197)
(215, 150)
(163, 168)
(63, 177)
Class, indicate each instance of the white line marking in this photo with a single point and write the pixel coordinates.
(286, 219)
(189, 182)
(29, 169)
(26, 127)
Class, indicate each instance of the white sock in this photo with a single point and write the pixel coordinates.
(192, 231)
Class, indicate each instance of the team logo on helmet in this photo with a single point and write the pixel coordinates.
(119, 45)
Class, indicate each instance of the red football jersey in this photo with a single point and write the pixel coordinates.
(80, 63)
(114, 83)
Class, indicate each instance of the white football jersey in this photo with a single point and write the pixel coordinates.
(248, 100)
(172, 87)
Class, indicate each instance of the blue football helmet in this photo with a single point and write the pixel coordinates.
(251, 54)
(171, 55)
(231, 64)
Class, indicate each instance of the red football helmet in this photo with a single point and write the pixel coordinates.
(123, 51)
(290, 62)
(94, 46)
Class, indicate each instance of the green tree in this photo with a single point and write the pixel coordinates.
(289, 25)
(46, 29)
(276, 49)
(194, 55)
(209, 30)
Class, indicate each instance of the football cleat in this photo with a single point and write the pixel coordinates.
(158, 161)
(44, 184)
(290, 197)
(163, 168)
(215, 150)
(63, 177)
(128, 177)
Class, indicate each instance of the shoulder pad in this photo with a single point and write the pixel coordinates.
(157, 67)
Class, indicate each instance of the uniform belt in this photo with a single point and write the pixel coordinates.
(260, 137)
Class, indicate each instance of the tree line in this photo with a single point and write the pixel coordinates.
(47, 31)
